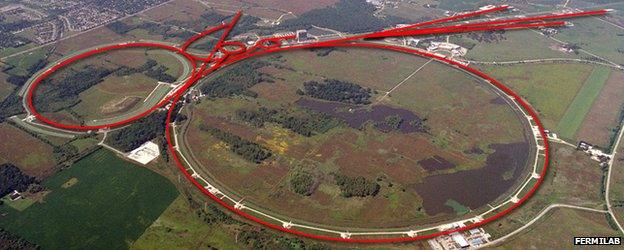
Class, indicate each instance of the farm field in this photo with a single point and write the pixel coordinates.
(603, 117)
(556, 229)
(549, 88)
(577, 111)
(383, 158)
(31, 155)
(96, 194)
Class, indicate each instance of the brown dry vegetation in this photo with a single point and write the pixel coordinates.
(31, 155)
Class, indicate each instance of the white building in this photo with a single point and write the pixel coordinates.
(145, 153)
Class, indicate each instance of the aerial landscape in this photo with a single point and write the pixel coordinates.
(331, 124)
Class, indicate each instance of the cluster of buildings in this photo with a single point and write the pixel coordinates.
(594, 152)
(470, 239)
(88, 17)
(454, 49)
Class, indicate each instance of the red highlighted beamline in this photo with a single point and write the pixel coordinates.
(212, 63)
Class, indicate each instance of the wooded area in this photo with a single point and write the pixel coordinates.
(337, 91)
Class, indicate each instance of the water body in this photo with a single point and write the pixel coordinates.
(356, 116)
(474, 188)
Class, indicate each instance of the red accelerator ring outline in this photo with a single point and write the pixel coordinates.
(474, 71)
(273, 45)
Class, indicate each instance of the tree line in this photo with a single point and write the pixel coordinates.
(307, 123)
(356, 186)
(237, 80)
(337, 91)
(12, 178)
(250, 151)
(352, 16)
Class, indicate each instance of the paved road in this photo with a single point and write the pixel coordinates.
(608, 184)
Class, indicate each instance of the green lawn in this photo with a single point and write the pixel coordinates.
(110, 205)
(581, 104)
(18, 205)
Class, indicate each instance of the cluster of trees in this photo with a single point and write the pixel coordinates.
(303, 183)
(356, 186)
(237, 80)
(487, 36)
(337, 91)
(393, 121)
(139, 132)
(253, 236)
(250, 151)
(353, 16)
(55, 95)
(12, 178)
(7, 39)
(306, 123)
(149, 68)
(160, 73)
(19, 80)
(152, 28)
(244, 24)
(11, 105)
(12, 241)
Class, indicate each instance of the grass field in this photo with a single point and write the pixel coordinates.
(23, 62)
(109, 205)
(576, 112)
(517, 45)
(556, 229)
(180, 227)
(549, 88)
(597, 37)
(603, 117)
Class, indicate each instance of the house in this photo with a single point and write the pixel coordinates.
(15, 195)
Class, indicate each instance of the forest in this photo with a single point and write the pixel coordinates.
(356, 186)
(139, 132)
(11, 105)
(303, 183)
(237, 80)
(250, 151)
(12, 241)
(12, 178)
(307, 122)
(352, 16)
(336, 91)
(58, 94)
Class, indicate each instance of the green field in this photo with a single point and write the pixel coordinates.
(517, 45)
(556, 229)
(549, 88)
(597, 37)
(180, 227)
(109, 205)
(581, 104)
(23, 62)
